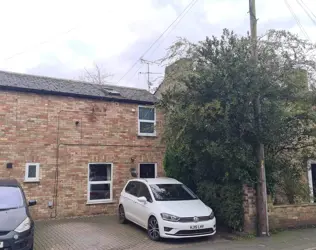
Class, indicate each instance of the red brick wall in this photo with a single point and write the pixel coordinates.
(29, 133)
(249, 209)
(280, 216)
(291, 216)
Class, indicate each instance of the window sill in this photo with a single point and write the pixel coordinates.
(147, 135)
(31, 181)
(100, 202)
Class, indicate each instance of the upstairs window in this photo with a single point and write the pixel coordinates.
(146, 121)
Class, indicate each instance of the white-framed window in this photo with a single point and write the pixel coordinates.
(32, 172)
(146, 121)
(147, 170)
(100, 182)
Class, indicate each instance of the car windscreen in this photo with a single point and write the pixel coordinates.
(172, 192)
(10, 197)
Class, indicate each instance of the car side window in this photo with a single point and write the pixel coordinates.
(143, 191)
(132, 188)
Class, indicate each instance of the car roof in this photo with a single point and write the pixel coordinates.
(9, 183)
(159, 180)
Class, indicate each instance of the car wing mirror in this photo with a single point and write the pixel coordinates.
(142, 199)
(32, 203)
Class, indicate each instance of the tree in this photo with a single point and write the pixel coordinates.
(210, 124)
(95, 75)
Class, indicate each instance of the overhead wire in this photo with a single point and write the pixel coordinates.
(173, 28)
(306, 10)
(297, 19)
(311, 15)
(186, 10)
(309, 9)
(155, 42)
(39, 44)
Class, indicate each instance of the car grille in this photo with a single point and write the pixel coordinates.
(194, 232)
(191, 219)
(4, 233)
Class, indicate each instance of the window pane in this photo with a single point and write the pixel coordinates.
(146, 113)
(100, 172)
(100, 191)
(147, 127)
(32, 171)
(147, 170)
(132, 188)
(144, 192)
(10, 197)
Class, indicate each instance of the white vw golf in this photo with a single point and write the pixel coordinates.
(166, 208)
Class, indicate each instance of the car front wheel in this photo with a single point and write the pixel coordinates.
(153, 229)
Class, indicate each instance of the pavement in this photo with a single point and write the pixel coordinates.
(104, 233)
(304, 239)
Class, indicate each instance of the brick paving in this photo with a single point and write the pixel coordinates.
(99, 233)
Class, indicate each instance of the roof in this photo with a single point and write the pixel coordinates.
(159, 180)
(65, 87)
(9, 182)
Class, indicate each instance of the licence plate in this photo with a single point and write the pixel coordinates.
(1, 244)
(194, 227)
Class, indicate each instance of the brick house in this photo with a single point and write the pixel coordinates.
(72, 144)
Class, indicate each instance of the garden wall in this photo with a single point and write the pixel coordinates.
(280, 216)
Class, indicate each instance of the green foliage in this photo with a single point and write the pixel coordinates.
(210, 123)
(288, 177)
(226, 200)
(179, 167)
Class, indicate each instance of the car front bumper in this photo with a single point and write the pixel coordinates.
(23, 242)
(187, 229)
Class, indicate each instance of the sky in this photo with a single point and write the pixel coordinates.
(63, 38)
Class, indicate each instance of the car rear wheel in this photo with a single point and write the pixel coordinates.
(153, 229)
(121, 215)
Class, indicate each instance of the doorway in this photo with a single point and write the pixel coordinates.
(311, 174)
(313, 170)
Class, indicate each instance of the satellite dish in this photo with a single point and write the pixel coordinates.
(133, 172)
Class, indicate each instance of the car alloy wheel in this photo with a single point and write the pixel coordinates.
(153, 229)
(121, 215)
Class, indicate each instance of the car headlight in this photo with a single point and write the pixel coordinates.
(212, 216)
(169, 217)
(24, 226)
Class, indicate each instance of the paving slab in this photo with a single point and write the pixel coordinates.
(102, 233)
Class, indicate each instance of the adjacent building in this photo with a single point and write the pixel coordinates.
(72, 145)
(175, 73)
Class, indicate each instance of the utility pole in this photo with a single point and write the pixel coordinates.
(262, 204)
(148, 72)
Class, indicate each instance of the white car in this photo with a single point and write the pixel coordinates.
(166, 208)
